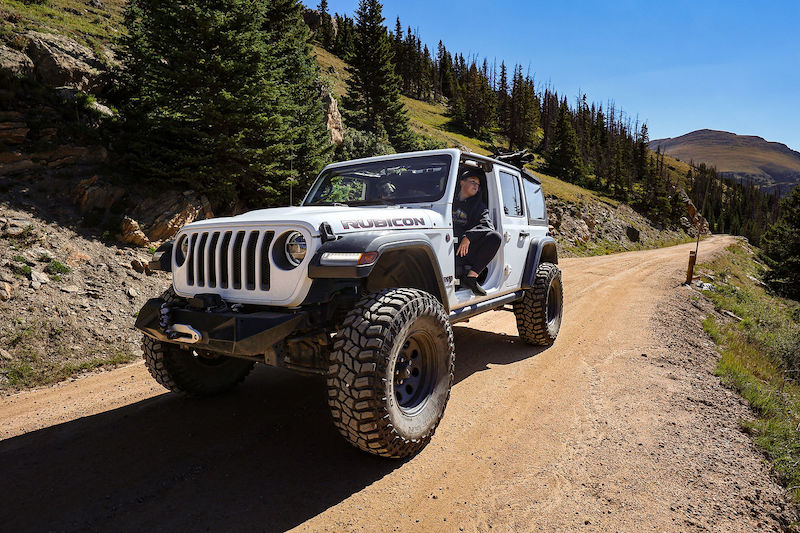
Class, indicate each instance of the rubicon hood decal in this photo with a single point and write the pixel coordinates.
(383, 223)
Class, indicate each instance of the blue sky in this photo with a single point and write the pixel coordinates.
(680, 66)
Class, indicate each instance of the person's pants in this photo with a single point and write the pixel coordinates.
(481, 252)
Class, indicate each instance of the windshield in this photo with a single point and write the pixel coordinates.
(395, 181)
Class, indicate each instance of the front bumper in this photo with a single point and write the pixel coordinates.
(229, 333)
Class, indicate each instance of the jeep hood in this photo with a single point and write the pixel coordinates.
(341, 219)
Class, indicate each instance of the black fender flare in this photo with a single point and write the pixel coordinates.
(540, 249)
(374, 241)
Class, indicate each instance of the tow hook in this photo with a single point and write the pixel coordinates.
(184, 333)
(178, 332)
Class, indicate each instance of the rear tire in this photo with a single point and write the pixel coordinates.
(539, 312)
(391, 372)
(191, 372)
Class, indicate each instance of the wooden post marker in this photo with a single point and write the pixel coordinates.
(690, 270)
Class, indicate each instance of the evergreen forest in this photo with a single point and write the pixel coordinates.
(249, 125)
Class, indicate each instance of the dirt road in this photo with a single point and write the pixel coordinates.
(619, 426)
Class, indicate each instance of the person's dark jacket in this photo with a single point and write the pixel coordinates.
(471, 218)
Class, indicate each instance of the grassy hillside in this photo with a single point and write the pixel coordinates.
(78, 20)
(741, 157)
(760, 355)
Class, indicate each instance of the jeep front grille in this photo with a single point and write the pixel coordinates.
(229, 259)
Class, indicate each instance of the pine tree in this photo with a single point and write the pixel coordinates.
(473, 107)
(525, 118)
(781, 247)
(373, 101)
(565, 159)
(208, 100)
(504, 103)
(307, 138)
(326, 34)
(345, 43)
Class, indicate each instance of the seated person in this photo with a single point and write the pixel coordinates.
(478, 242)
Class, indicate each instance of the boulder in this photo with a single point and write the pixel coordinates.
(132, 234)
(15, 62)
(39, 277)
(60, 61)
(632, 234)
(15, 228)
(92, 194)
(70, 94)
(161, 217)
(5, 292)
(582, 232)
(77, 258)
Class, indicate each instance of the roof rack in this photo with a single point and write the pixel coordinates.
(518, 160)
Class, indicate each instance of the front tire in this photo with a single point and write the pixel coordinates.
(539, 312)
(391, 372)
(190, 372)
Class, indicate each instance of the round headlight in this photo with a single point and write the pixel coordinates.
(295, 248)
(182, 250)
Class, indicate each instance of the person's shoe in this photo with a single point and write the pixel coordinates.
(472, 284)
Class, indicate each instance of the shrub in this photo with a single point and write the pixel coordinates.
(55, 268)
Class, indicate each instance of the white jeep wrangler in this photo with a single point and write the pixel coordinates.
(359, 284)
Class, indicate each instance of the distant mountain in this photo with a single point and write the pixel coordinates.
(769, 165)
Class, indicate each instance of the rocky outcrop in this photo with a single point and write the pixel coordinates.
(59, 61)
(15, 62)
(590, 224)
(333, 118)
(159, 218)
(65, 155)
(13, 128)
(91, 194)
(313, 20)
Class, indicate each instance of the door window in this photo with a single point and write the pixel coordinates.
(535, 200)
(512, 195)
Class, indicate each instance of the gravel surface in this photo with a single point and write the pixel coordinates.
(620, 426)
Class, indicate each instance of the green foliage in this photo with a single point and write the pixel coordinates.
(473, 107)
(358, 144)
(523, 123)
(760, 357)
(325, 33)
(565, 160)
(54, 268)
(373, 102)
(781, 248)
(23, 270)
(222, 97)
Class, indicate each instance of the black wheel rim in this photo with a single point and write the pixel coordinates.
(415, 370)
(553, 303)
(206, 358)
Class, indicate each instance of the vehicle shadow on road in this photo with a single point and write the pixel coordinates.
(265, 457)
(477, 349)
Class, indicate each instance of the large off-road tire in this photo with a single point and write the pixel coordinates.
(191, 372)
(539, 311)
(391, 371)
